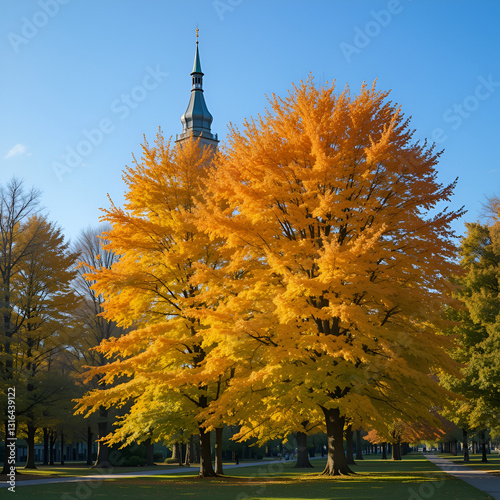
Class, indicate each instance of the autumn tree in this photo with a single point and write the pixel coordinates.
(333, 214)
(158, 366)
(42, 305)
(16, 206)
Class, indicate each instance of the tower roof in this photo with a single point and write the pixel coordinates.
(197, 63)
(196, 121)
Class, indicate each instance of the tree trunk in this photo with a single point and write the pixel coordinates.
(465, 443)
(102, 459)
(192, 454)
(218, 451)
(175, 452)
(384, 451)
(52, 443)
(396, 449)
(62, 448)
(150, 452)
(206, 469)
(7, 442)
(188, 457)
(359, 448)
(30, 440)
(89, 445)
(349, 451)
(45, 446)
(483, 447)
(302, 455)
(336, 463)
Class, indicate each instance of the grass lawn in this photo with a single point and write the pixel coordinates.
(493, 464)
(414, 478)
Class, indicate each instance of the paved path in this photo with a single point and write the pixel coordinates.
(481, 480)
(120, 475)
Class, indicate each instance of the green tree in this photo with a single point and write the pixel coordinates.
(478, 327)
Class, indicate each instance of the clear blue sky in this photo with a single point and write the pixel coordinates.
(69, 65)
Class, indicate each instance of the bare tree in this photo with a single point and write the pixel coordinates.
(93, 255)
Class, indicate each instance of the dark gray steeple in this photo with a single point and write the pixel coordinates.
(196, 121)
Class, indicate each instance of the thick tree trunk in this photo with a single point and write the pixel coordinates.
(218, 451)
(302, 454)
(396, 449)
(45, 446)
(384, 451)
(89, 445)
(349, 449)
(175, 452)
(150, 452)
(336, 463)
(206, 469)
(102, 459)
(30, 440)
(359, 446)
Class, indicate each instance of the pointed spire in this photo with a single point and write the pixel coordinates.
(196, 121)
(197, 63)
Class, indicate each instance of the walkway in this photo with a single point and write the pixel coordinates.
(195, 469)
(481, 480)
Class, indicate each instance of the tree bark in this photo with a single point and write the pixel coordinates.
(89, 445)
(384, 451)
(102, 459)
(52, 443)
(218, 451)
(30, 440)
(45, 446)
(150, 452)
(62, 448)
(396, 449)
(302, 454)
(483, 447)
(175, 452)
(465, 444)
(359, 446)
(206, 469)
(336, 464)
(349, 451)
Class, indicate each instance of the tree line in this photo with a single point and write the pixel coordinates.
(304, 278)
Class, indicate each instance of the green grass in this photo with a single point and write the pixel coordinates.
(493, 464)
(414, 478)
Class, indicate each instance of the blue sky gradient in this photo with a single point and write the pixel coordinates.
(105, 72)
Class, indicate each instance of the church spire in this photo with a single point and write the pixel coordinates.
(196, 121)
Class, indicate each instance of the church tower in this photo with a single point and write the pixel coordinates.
(196, 121)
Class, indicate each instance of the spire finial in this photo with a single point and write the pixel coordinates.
(197, 30)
